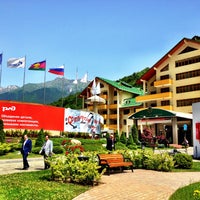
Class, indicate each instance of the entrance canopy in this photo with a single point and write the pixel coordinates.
(158, 113)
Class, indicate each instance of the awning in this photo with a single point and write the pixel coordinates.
(158, 113)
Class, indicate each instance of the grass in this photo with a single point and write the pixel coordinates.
(16, 155)
(37, 186)
(186, 192)
(195, 168)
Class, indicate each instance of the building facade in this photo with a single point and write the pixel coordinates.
(173, 84)
(119, 103)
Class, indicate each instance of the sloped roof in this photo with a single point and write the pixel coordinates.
(151, 72)
(120, 85)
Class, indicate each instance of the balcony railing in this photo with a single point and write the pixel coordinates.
(104, 96)
(113, 116)
(162, 83)
(154, 97)
(113, 106)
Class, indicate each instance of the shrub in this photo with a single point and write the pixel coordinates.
(70, 169)
(40, 139)
(4, 148)
(183, 161)
(134, 132)
(2, 133)
(58, 150)
(121, 146)
(123, 138)
(160, 162)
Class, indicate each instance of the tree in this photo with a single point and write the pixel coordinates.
(117, 137)
(2, 133)
(123, 138)
(130, 140)
(40, 139)
(134, 132)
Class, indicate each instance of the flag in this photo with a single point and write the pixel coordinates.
(16, 62)
(41, 66)
(84, 79)
(95, 88)
(57, 70)
(1, 55)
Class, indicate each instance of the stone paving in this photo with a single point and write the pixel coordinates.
(139, 185)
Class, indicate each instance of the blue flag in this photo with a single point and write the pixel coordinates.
(1, 55)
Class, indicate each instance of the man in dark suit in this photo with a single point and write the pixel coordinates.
(25, 150)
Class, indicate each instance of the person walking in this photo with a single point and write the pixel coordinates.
(25, 151)
(47, 150)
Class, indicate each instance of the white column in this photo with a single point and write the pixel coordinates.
(175, 130)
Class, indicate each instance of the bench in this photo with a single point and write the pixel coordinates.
(110, 161)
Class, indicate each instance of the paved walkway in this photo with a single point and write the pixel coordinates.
(139, 185)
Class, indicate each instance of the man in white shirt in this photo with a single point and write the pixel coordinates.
(48, 150)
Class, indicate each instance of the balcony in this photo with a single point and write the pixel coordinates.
(112, 126)
(163, 83)
(104, 96)
(154, 97)
(113, 116)
(112, 106)
(102, 107)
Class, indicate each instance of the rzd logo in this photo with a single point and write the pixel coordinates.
(11, 108)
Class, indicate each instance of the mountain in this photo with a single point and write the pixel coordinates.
(53, 91)
(68, 102)
(46, 93)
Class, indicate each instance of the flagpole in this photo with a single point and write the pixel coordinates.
(63, 84)
(45, 82)
(76, 83)
(24, 78)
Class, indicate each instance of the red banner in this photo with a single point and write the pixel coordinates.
(18, 115)
(198, 130)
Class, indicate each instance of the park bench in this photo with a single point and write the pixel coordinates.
(110, 161)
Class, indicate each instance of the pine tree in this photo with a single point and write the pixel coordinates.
(134, 131)
(130, 140)
(40, 139)
(117, 137)
(123, 138)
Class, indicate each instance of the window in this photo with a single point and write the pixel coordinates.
(165, 103)
(164, 90)
(188, 61)
(166, 68)
(164, 77)
(190, 74)
(187, 102)
(188, 88)
(127, 111)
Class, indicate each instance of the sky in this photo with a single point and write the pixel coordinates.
(104, 38)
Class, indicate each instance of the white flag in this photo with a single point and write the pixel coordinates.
(16, 62)
(93, 89)
(98, 88)
(84, 79)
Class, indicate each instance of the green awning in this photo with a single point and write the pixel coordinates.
(159, 113)
(151, 113)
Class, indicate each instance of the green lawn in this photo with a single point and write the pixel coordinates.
(36, 186)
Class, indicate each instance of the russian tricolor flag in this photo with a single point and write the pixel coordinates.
(57, 70)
